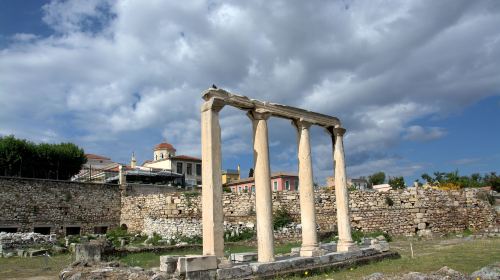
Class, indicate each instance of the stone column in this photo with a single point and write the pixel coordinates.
(307, 211)
(122, 179)
(212, 213)
(263, 194)
(345, 243)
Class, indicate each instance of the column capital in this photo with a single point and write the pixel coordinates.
(339, 131)
(335, 131)
(301, 123)
(214, 104)
(256, 115)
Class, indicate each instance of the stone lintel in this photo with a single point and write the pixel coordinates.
(277, 110)
(215, 104)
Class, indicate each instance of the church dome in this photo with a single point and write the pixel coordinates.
(164, 146)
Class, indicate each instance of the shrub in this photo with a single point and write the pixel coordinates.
(245, 234)
(154, 239)
(116, 234)
(195, 239)
(281, 218)
(357, 235)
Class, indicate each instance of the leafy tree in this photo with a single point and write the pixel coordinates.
(397, 183)
(376, 178)
(493, 180)
(19, 157)
(250, 172)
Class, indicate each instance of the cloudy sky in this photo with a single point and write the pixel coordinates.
(416, 83)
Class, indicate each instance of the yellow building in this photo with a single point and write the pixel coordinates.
(230, 175)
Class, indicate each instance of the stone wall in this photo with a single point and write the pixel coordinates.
(29, 203)
(397, 212)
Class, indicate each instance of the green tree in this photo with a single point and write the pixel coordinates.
(376, 178)
(250, 173)
(492, 180)
(397, 183)
(19, 157)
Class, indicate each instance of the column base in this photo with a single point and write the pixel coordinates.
(348, 246)
(311, 251)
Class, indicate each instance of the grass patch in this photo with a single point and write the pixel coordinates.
(29, 267)
(429, 256)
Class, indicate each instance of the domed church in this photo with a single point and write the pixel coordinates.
(164, 157)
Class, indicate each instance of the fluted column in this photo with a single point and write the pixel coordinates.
(263, 195)
(345, 242)
(306, 191)
(212, 213)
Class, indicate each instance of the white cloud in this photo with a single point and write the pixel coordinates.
(419, 133)
(127, 67)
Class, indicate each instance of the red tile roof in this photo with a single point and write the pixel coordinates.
(164, 146)
(92, 156)
(184, 157)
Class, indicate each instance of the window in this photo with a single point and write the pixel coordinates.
(179, 168)
(72, 230)
(198, 169)
(8, 229)
(161, 155)
(253, 188)
(239, 189)
(100, 230)
(246, 188)
(275, 186)
(42, 230)
(156, 157)
(287, 185)
(296, 184)
(189, 168)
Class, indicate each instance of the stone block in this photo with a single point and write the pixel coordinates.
(420, 215)
(36, 253)
(421, 226)
(368, 251)
(273, 267)
(201, 275)
(235, 272)
(196, 263)
(88, 252)
(168, 264)
(330, 247)
(381, 246)
(244, 257)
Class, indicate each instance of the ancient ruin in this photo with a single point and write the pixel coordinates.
(259, 112)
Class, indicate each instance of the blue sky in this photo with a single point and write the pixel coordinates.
(416, 83)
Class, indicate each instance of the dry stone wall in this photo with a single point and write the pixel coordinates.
(29, 203)
(26, 204)
(401, 212)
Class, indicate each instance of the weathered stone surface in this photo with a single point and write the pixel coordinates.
(88, 252)
(489, 272)
(235, 272)
(57, 204)
(196, 263)
(243, 257)
(168, 264)
(146, 213)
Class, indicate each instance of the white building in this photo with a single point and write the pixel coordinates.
(164, 157)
